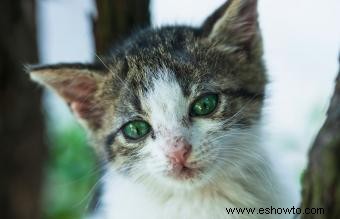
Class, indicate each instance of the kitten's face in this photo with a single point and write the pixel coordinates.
(165, 96)
(175, 105)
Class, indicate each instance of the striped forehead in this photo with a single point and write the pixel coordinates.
(165, 102)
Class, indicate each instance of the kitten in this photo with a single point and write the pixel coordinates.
(175, 113)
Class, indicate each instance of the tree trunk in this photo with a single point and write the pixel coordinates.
(321, 181)
(21, 124)
(116, 19)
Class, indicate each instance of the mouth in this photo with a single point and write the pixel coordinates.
(184, 172)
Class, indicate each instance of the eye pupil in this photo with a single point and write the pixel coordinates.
(136, 129)
(204, 105)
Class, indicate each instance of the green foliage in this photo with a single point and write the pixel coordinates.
(71, 172)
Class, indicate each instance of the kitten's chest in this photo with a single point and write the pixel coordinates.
(138, 204)
(125, 200)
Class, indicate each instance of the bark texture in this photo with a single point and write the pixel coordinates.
(321, 181)
(117, 19)
(21, 123)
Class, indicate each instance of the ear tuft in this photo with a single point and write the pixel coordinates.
(234, 24)
(78, 85)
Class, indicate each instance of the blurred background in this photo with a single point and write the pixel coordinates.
(301, 40)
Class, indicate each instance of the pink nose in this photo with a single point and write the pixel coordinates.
(179, 151)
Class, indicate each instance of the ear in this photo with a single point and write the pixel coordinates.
(234, 24)
(78, 85)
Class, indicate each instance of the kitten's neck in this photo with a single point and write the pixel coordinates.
(122, 195)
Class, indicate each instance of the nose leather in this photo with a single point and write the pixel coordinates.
(179, 151)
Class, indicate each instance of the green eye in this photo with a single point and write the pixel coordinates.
(204, 105)
(136, 129)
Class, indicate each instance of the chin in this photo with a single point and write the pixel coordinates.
(188, 179)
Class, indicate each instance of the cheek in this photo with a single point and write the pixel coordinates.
(155, 156)
(203, 135)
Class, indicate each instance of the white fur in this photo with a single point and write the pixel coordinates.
(237, 172)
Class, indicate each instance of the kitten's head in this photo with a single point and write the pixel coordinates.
(175, 104)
